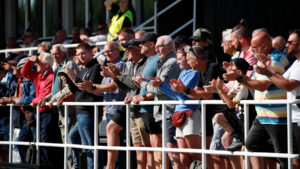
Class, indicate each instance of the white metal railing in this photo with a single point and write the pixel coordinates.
(31, 49)
(204, 151)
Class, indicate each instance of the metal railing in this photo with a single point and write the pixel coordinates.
(31, 49)
(204, 151)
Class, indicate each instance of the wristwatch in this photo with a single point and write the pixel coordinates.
(144, 97)
(240, 79)
(187, 91)
(94, 86)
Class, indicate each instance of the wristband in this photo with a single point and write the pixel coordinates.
(187, 91)
(94, 86)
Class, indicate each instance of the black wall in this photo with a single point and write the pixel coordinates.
(278, 16)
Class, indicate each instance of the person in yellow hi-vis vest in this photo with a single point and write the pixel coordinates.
(125, 17)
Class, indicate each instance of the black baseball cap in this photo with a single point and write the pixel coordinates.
(149, 37)
(131, 43)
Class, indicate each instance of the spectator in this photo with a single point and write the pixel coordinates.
(111, 94)
(125, 17)
(138, 34)
(44, 47)
(24, 94)
(167, 69)
(181, 41)
(241, 40)
(202, 37)
(85, 114)
(208, 72)
(60, 89)
(75, 35)
(188, 134)
(290, 82)
(147, 46)
(124, 82)
(61, 37)
(263, 126)
(42, 76)
(280, 44)
(124, 36)
(102, 34)
(227, 46)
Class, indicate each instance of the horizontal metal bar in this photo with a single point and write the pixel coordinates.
(158, 14)
(35, 48)
(219, 152)
(182, 27)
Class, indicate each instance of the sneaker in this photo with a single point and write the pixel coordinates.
(236, 145)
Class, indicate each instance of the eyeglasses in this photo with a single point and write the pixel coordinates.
(144, 42)
(160, 46)
(292, 42)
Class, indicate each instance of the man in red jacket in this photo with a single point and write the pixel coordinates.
(39, 70)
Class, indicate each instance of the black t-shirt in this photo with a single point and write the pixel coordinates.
(213, 71)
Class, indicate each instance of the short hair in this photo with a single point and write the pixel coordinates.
(47, 45)
(85, 46)
(47, 58)
(296, 31)
(255, 31)
(242, 30)
(61, 47)
(85, 31)
(126, 30)
(197, 52)
(114, 44)
(167, 40)
(226, 34)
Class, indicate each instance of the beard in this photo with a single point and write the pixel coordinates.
(238, 47)
(291, 52)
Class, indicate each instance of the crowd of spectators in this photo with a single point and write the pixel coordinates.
(143, 66)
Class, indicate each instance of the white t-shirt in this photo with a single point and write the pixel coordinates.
(294, 73)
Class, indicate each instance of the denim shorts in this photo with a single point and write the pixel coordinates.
(216, 142)
(170, 129)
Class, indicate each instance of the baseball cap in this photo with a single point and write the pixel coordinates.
(22, 62)
(149, 37)
(10, 56)
(182, 39)
(131, 43)
(202, 34)
(16, 60)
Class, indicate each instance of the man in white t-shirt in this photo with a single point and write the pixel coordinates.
(290, 81)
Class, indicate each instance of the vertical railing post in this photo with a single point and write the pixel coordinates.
(194, 15)
(96, 138)
(155, 14)
(37, 135)
(127, 137)
(246, 129)
(203, 123)
(164, 131)
(66, 139)
(289, 134)
(11, 133)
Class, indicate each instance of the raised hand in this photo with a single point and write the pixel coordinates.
(85, 85)
(227, 66)
(156, 82)
(177, 85)
(231, 75)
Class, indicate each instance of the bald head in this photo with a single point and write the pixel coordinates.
(279, 43)
(261, 43)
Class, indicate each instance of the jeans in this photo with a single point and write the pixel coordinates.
(259, 134)
(85, 123)
(25, 134)
(75, 139)
(50, 133)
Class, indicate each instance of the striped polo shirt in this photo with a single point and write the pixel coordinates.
(273, 113)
